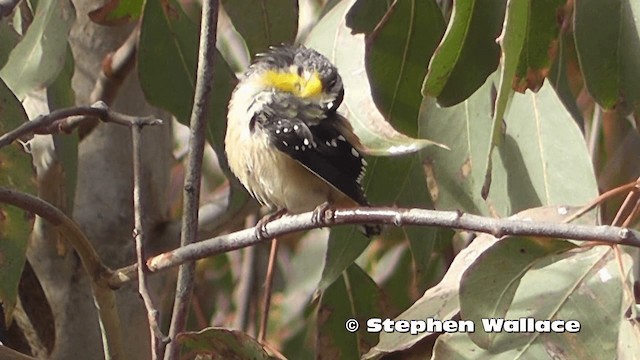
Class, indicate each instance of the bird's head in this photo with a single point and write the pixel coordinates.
(302, 72)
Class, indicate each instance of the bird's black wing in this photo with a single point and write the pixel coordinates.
(319, 146)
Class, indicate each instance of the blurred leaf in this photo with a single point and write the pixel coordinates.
(541, 44)
(488, 286)
(511, 43)
(440, 301)
(353, 296)
(263, 23)
(117, 12)
(346, 243)
(36, 61)
(16, 173)
(396, 54)
(468, 52)
(333, 38)
(303, 275)
(220, 343)
(61, 95)
(8, 40)
(586, 286)
(609, 52)
(543, 159)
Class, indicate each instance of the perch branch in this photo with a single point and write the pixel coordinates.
(393, 216)
(191, 194)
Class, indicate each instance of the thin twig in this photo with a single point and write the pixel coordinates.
(602, 198)
(625, 213)
(158, 340)
(99, 273)
(268, 285)
(191, 194)
(395, 216)
(60, 120)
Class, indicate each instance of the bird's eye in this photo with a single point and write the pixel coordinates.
(300, 70)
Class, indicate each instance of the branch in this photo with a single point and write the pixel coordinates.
(113, 71)
(158, 340)
(392, 216)
(98, 273)
(62, 120)
(204, 81)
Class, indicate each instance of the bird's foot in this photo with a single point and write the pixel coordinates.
(318, 216)
(261, 226)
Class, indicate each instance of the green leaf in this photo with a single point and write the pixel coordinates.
(334, 39)
(117, 12)
(541, 44)
(468, 52)
(353, 296)
(263, 23)
(490, 283)
(543, 159)
(220, 343)
(511, 44)
(586, 286)
(16, 173)
(36, 61)
(440, 301)
(609, 53)
(397, 52)
(346, 243)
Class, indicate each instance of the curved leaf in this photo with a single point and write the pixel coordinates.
(277, 22)
(36, 61)
(334, 39)
(564, 289)
(468, 52)
(489, 285)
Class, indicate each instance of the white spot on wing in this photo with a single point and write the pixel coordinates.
(354, 152)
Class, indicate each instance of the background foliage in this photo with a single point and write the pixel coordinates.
(492, 107)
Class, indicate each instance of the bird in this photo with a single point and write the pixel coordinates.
(285, 141)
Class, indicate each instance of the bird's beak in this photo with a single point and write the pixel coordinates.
(311, 86)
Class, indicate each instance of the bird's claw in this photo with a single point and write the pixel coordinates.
(261, 226)
(318, 215)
